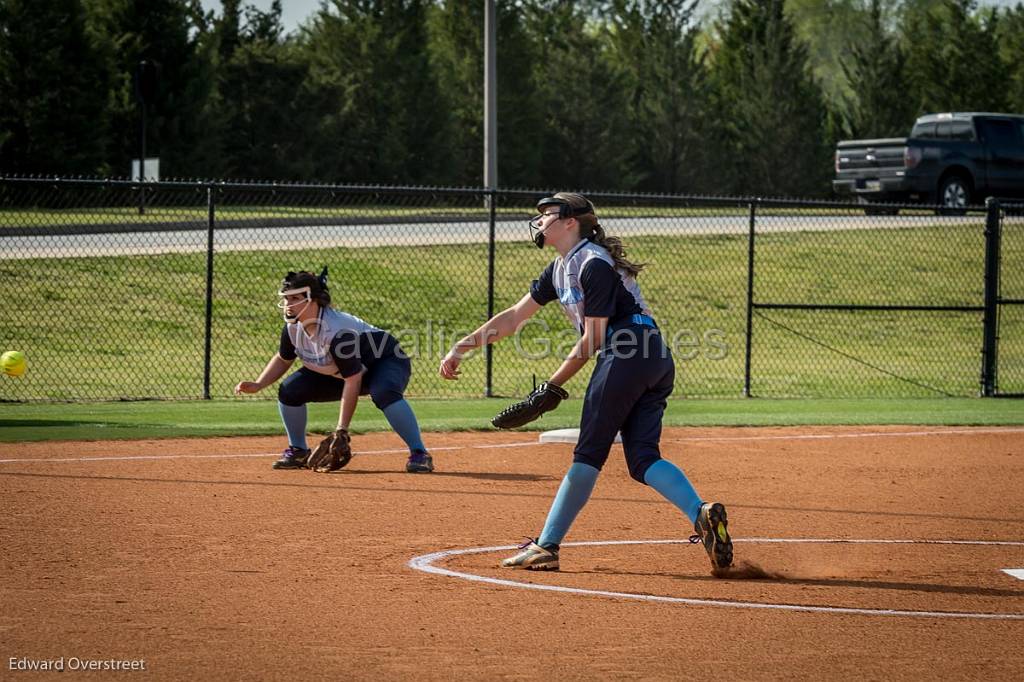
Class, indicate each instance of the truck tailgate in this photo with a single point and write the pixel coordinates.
(861, 157)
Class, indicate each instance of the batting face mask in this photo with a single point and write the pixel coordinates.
(288, 306)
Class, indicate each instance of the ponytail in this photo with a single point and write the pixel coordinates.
(592, 230)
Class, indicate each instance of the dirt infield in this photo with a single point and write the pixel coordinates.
(196, 559)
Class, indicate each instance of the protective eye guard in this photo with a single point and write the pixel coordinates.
(283, 302)
(535, 221)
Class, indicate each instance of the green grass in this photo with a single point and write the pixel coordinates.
(244, 417)
(133, 326)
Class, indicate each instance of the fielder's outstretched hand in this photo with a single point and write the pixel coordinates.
(450, 365)
(332, 454)
(544, 398)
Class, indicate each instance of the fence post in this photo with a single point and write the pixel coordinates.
(750, 298)
(491, 239)
(207, 351)
(990, 323)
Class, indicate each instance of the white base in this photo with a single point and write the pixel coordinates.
(567, 436)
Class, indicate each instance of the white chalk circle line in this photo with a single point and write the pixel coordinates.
(425, 563)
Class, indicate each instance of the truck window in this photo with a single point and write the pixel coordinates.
(962, 130)
(943, 130)
(1001, 133)
(925, 130)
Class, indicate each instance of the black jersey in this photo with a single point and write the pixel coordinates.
(587, 284)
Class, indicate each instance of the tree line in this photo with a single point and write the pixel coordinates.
(628, 95)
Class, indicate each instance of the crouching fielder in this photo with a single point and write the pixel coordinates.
(633, 375)
(342, 358)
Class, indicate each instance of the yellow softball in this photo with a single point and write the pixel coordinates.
(13, 363)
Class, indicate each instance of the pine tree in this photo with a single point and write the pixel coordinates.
(228, 29)
(1011, 51)
(582, 99)
(878, 105)
(172, 36)
(953, 58)
(375, 96)
(771, 117)
(654, 44)
(829, 29)
(455, 31)
(457, 54)
(53, 86)
(266, 129)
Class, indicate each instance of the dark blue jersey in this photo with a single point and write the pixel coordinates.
(586, 284)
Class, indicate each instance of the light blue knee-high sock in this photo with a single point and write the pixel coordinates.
(674, 486)
(400, 415)
(294, 418)
(572, 495)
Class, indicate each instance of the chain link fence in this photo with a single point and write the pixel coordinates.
(893, 301)
(1010, 376)
(119, 290)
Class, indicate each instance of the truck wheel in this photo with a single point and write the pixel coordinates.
(954, 195)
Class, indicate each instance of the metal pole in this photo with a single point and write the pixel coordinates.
(142, 160)
(990, 328)
(490, 161)
(488, 349)
(208, 350)
(750, 298)
(141, 84)
(490, 96)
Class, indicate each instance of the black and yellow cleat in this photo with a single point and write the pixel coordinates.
(533, 557)
(712, 527)
(292, 458)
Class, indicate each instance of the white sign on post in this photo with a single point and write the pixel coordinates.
(152, 169)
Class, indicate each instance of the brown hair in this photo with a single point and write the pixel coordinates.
(592, 230)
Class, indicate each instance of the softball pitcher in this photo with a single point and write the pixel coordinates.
(633, 375)
(342, 358)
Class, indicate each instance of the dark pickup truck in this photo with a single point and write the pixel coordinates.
(952, 160)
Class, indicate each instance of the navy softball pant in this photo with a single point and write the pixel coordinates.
(384, 382)
(627, 392)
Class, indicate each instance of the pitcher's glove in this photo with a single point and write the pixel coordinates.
(543, 399)
(333, 453)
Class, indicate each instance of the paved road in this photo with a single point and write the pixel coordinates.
(412, 234)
